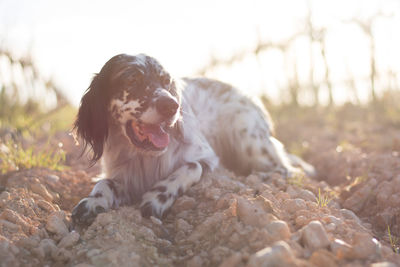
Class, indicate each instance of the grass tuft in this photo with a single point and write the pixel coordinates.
(322, 200)
(296, 180)
(394, 242)
(14, 157)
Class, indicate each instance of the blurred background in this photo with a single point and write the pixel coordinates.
(292, 52)
(327, 70)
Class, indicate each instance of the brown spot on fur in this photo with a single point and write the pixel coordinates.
(162, 198)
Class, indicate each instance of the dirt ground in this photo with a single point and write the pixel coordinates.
(341, 218)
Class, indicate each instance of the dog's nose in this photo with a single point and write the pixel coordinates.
(167, 106)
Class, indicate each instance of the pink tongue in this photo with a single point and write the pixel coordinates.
(157, 136)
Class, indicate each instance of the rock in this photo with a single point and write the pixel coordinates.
(293, 205)
(251, 212)
(341, 249)
(279, 254)
(383, 264)
(314, 236)
(41, 190)
(55, 224)
(356, 201)
(183, 203)
(323, 258)
(279, 230)
(364, 246)
(306, 195)
(43, 204)
(182, 225)
(69, 240)
(104, 218)
(46, 248)
(52, 178)
(348, 214)
(14, 217)
(232, 260)
(195, 261)
(61, 254)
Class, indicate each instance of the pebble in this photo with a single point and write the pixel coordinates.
(364, 246)
(357, 200)
(340, 248)
(293, 205)
(55, 224)
(348, 214)
(279, 230)
(314, 236)
(232, 260)
(251, 213)
(69, 240)
(41, 190)
(183, 203)
(182, 225)
(306, 195)
(323, 258)
(104, 218)
(195, 261)
(383, 264)
(279, 254)
(43, 204)
(52, 178)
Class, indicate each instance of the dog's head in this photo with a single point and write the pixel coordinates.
(136, 94)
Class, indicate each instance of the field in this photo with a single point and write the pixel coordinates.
(348, 216)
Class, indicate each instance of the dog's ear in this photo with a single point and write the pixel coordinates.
(92, 121)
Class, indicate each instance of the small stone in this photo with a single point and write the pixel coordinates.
(52, 178)
(357, 200)
(61, 254)
(279, 230)
(314, 236)
(183, 203)
(41, 190)
(301, 220)
(55, 224)
(232, 260)
(43, 204)
(293, 205)
(155, 220)
(69, 240)
(251, 213)
(279, 254)
(323, 258)
(47, 246)
(5, 196)
(104, 218)
(383, 264)
(364, 246)
(348, 214)
(183, 225)
(340, 248)
(195, 261)
(306, 195)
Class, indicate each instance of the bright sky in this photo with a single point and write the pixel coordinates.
(71, 40)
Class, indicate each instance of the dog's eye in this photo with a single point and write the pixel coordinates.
(166, 79)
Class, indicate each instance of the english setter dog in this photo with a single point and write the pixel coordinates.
(157, 135)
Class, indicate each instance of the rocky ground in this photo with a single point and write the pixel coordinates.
(339, 219)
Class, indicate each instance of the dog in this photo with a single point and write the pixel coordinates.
(157, 135)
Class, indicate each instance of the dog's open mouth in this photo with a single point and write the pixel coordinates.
(147, 136)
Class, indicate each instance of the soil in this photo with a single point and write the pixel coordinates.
(224, 220)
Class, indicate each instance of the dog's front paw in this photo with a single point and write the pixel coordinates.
(87, 209)
(155, 204)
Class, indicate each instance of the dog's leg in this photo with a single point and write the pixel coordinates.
(161, 197)
(105, 195)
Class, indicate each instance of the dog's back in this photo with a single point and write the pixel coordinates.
(236, 127)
